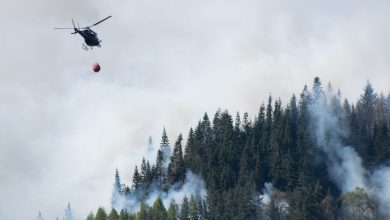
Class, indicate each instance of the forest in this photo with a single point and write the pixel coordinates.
(316, 157)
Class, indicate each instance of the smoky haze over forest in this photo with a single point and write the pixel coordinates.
(64, 130)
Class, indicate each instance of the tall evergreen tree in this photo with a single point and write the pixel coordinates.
(117, 192)
(185, 209)
(366, 114)
(123, 215)
(40, 217)
(150, 146)
(137, 181)
(193, 211)
(158, 211)
(68, 213)
(176, 168)
(173, 209)
(113, 215)
(144, 212)
(192, 152)
(160, 171)
(318, 95)
(165, 148)
(101, 214)
(90, 216)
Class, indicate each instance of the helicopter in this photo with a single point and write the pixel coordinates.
(90, 37)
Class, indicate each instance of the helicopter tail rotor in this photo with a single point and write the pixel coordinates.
(74, 27)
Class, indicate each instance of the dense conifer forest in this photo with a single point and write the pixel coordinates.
(316, 157)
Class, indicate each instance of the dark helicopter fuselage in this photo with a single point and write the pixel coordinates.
(90, 37)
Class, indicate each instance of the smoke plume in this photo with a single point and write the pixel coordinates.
(343, 162)
(272, 198)
(193, 185)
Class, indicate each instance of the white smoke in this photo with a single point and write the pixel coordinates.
(278, 198)
(118, 200)
(193, 185)
(267, 192)
(380, 188)
(344, 164)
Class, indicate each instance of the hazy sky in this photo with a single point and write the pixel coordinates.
(64, 129)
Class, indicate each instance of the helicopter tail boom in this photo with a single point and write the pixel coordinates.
(74, 27)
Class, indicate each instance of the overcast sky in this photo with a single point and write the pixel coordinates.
(64, 129)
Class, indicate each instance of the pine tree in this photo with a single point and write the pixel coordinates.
(123, 215)
(289, 172)
(144, 212)
(150, 146)
(246, 125)
(190, 153)
(146, 175)
(172, 210)
(91, 216)
(367, 101)
(297, 201)
(265, 142)
(257, 145)
(176, 168)
(275, 159)
(381, 143)
(292, 124)
(304, 138)
(117, 192)
(137, 181)
(144, 171)
(101, 214)
(165, 148)
(40, 217)
(318, 95)
(132, 216)
(185, 209)
(366, 115)
(160, 172)
(193, 205)
(158, 211)
(113, 215)
(68, 213)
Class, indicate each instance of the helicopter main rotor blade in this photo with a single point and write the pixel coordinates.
(83, 28)
(100, 21)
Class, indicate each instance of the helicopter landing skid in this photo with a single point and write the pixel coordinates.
(85, 47)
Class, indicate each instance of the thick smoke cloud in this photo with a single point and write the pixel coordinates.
(344, 164)
(380, 188)
(193, 185)
(63, 129)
